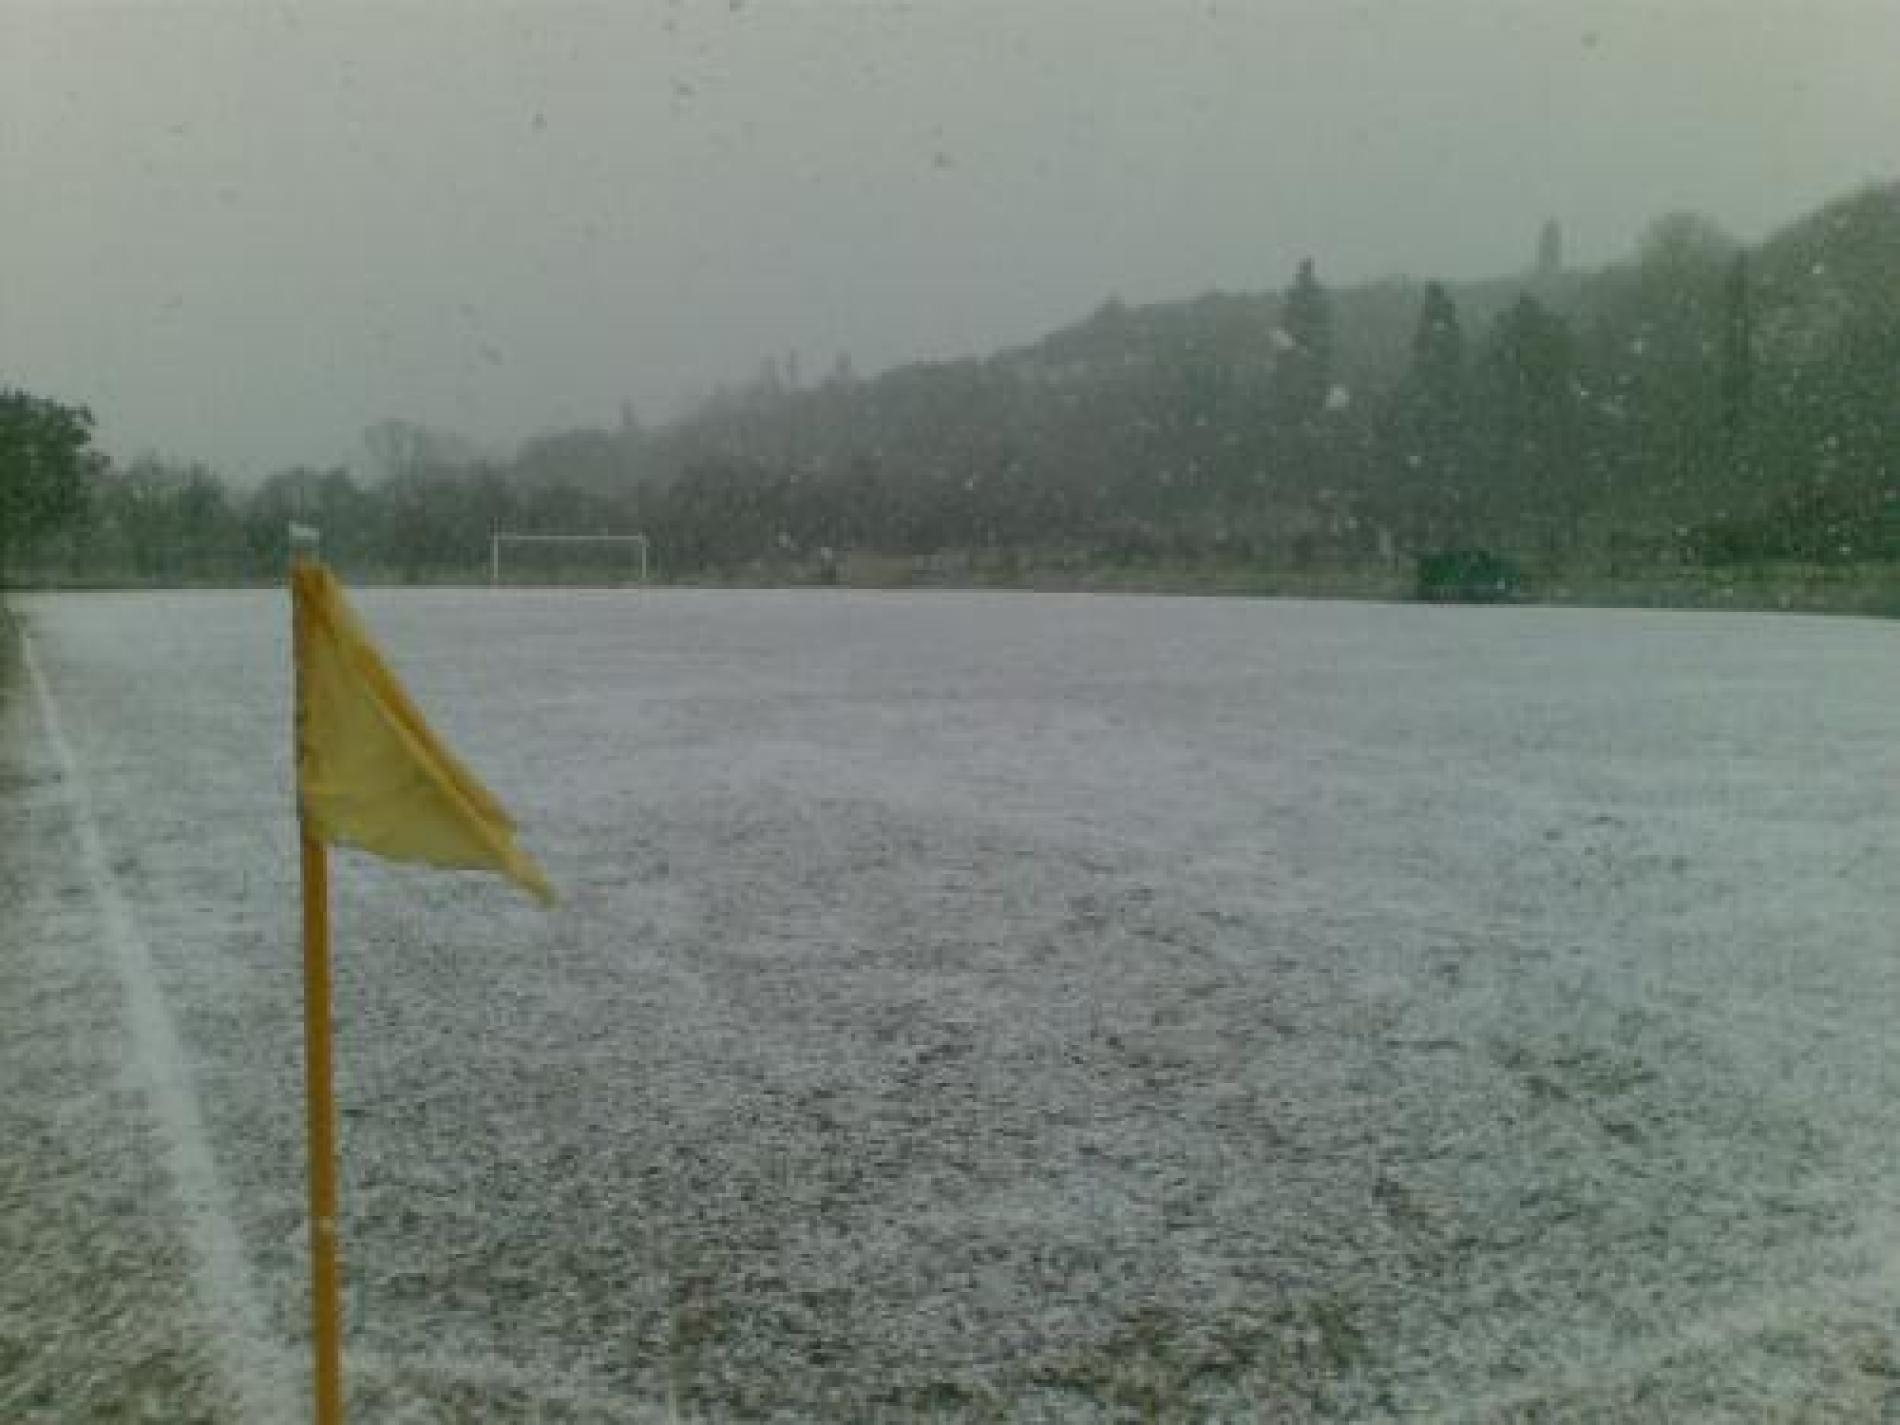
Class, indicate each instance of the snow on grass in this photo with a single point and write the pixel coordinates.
(1028, 1007)
(98, 1316)
(226, 1295)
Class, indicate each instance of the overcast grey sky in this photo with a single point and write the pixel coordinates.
(243, 232)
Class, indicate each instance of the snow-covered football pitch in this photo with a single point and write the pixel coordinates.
(1007, 1007)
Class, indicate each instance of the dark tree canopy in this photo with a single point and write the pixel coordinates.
(1438, 349)
(1530, 405)
(1303, 375)
(44, 455)
(1431, 437)
(1738, 350)
(1550, 249)
(1697, 402)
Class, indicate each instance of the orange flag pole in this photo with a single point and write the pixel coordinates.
(326, 1294)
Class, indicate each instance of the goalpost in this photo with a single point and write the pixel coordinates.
(608, 555)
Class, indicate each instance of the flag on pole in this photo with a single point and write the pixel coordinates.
(371, 773)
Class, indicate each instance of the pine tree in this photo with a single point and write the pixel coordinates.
(1533, 416)
(1550, 250)
(1738, 353)
(1431, 451)
(1438, 351)
(1303, 374)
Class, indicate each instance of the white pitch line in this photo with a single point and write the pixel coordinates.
(251, 1364)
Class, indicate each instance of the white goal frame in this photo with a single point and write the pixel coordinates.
(500, 537)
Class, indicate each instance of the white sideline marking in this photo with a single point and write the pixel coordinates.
(251, 1364)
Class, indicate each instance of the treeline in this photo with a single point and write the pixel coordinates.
(46, 455)
(1701, 404)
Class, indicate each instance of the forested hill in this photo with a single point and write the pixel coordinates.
(1699, 404)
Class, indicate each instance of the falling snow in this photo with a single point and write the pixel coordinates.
(987, 1006)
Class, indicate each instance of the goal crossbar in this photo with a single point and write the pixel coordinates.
(640, 543)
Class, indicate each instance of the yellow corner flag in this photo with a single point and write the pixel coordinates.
(371, 772)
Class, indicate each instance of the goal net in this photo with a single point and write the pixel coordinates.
(603, 560)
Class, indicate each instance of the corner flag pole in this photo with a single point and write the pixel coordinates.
(371, 773)
(326, 1305)
(326, 1296)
